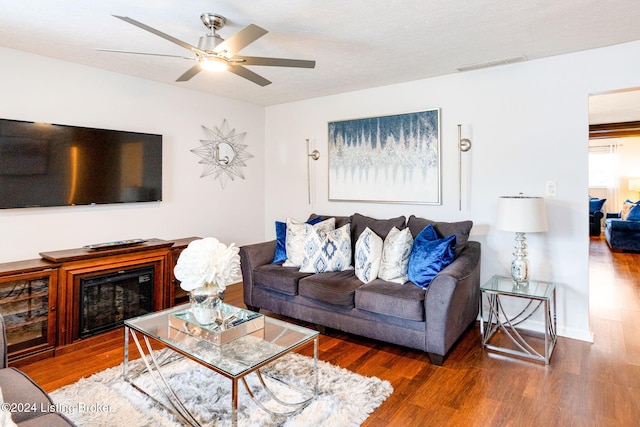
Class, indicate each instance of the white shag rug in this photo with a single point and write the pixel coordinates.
(105, 399)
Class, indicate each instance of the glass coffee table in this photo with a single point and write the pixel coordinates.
(234, 359)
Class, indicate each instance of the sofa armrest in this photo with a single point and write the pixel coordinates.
(613, 215)
(252, 257)
(622, 225)
(452, 300)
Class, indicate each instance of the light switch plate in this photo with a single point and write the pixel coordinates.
(552, 189)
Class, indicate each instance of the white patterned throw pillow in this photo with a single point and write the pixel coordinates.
(368, 255)
(396, 252)
(296, 234)
(327, 250)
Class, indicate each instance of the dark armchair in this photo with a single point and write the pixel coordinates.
(595, 223)
(595, 215)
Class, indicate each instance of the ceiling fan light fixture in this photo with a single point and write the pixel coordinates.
(209, 42)
(213, 64)
(213, 53)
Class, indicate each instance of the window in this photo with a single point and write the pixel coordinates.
(602, 166)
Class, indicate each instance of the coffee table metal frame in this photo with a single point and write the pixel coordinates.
(283, 337)
(539, 295)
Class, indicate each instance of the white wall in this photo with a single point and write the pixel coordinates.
(528, 123)
(36, 88)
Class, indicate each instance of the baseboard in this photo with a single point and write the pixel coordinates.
(576, 334)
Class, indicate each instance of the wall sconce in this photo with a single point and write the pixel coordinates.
(313, 155)
(464, 145)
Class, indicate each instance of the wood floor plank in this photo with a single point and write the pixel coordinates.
(586, 384)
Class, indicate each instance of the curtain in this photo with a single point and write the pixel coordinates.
(604, 176)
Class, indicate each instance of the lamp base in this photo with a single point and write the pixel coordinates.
(520, 264)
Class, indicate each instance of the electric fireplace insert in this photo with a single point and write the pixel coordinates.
(107, 300)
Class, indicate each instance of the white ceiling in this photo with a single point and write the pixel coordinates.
(357, 44)
(615, 107)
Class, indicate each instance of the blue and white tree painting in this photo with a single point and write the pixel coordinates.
(386, 159)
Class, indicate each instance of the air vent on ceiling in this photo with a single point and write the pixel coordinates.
(494, 63)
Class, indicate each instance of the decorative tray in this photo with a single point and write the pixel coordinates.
(235, 323)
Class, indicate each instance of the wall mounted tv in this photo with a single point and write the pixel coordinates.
(56, 165)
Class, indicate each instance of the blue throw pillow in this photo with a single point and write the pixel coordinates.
(634, 213)
(428, 233)
(429, 256)
(280, 254)
(596, 204)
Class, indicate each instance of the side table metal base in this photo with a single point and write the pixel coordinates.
(499, 320)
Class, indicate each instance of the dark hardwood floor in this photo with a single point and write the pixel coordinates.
(585, 385)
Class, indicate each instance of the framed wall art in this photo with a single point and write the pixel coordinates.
(389, 159)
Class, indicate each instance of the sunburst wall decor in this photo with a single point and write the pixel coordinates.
(223, 154)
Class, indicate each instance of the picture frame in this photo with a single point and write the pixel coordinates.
(386, 159)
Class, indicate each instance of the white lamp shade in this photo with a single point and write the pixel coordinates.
(521, 214)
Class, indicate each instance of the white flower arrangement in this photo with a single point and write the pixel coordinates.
(207, 262)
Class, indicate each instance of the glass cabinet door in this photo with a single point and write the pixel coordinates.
(24, 303)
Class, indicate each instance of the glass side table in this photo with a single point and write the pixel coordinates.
(539, 295)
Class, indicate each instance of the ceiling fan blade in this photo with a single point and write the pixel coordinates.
(187, 75)
(142, 53)
(249, 75)
(241, 39)
(276, 62)
(158, 33)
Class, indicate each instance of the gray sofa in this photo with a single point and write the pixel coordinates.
(429, 320)
(29, 404)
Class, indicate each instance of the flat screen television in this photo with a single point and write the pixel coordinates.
(57, 165)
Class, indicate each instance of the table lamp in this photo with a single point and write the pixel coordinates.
(521, 214)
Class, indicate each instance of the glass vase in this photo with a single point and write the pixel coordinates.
(205, 304)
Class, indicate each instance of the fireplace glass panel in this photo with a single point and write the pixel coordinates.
(109, 299)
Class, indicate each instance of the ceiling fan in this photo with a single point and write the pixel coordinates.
(213, 53)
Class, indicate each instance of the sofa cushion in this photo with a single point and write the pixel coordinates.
(429, 257)
(327, 250)
(280, 254)
(17, 387)
(335, 288)
(368, 255)
(444, 229)
(51, 419)
(396, 251)
(278, 278)
(296, 233)
(379, 226)
(383, 297)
